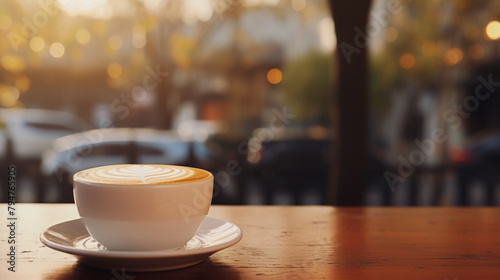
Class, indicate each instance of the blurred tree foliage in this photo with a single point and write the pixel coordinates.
(308, 85)
(426, 30)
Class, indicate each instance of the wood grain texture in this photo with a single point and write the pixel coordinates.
(300, 242)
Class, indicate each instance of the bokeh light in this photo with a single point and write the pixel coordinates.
(8, 96)
(139, 36)
(274, 76)
(391, 34)
(82, 36)
(452, 56)
(326, 31)
(139, 41)
(407, 61)
(115, 70)
(317, 132)
(493, 30)
(57, 50)
(115, 42)
(298, 5)
(37, 44)
(196, 10)
(13, 63)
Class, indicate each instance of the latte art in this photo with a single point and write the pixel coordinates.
(141, 174)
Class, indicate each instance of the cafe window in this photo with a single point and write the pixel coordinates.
(243, 80)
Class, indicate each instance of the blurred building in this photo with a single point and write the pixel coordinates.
(147, 60)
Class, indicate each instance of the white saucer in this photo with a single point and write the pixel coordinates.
(72, 237)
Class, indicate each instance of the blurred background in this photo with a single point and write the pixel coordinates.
(249, 90)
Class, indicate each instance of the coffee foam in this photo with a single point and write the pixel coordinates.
(141, 174)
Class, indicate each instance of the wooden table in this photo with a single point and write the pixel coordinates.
(299, 242)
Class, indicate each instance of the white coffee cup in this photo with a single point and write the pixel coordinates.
(137, 207)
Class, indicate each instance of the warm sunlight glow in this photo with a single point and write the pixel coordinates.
(493, 30)
(250, 3)
(115, 70)
(82, 36)
(57, 50)
(274, 76)
(453, 56)
(407, 61)
(194, 10)
(37, 44)
(92, 8)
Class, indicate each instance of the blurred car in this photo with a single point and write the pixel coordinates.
(28, 132)
(478, 161)
(79, 151)
(292, 158)
(75, 152)
(200, 130)
(267, 145)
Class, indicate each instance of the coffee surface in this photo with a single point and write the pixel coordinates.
(141, 174)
